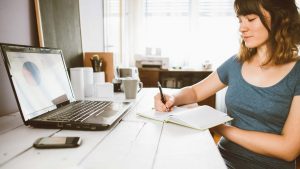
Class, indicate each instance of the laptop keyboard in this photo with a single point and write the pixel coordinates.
(79, 112)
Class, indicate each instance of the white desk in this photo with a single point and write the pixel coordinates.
(135, 143)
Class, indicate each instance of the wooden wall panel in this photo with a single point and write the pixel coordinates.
(59, 27)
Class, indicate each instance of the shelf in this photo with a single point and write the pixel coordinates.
(171, 78)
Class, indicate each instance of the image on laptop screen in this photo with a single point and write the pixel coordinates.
(40, 80)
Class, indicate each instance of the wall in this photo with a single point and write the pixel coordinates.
(91, 22)
(18, 25)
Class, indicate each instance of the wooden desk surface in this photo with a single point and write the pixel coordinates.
(135, 143)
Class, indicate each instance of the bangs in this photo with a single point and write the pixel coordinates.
(246, 7)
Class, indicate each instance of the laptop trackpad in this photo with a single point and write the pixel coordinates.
(107, 116)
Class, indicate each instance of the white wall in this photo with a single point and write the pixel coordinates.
(91, 22)
(18, 25)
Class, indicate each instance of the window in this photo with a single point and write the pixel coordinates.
(112, 28)
(189, 32)
(192, 31)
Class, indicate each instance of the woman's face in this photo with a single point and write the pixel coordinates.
(253, 31)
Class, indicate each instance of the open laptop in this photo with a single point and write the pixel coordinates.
(44, 94)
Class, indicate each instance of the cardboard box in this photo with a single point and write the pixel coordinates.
(107, 67)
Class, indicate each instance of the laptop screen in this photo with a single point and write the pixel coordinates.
(39, 77)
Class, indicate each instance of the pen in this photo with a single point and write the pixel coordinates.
(163, 99)
(161, 93)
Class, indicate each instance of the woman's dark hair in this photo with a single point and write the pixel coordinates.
(284, 32)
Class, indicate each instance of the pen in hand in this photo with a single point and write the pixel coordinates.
(163, 99)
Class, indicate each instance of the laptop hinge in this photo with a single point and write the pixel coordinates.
(63, 104)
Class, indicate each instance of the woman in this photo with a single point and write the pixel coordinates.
(263, 94)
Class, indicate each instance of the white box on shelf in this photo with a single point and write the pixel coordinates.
(103, 90)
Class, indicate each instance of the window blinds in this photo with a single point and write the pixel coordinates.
(183, 7)
(167, 7)
(113, 8)
(216, 8)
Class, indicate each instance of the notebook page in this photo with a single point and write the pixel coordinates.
(202, 117)
(161, 116)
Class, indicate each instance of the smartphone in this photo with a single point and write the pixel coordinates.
(57, 142)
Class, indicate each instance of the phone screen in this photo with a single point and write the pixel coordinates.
(53, 140)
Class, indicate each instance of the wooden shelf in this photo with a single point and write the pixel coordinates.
(171, 78)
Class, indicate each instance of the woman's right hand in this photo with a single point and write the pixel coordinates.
(160, 106)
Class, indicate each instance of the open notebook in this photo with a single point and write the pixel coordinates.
(200, 117)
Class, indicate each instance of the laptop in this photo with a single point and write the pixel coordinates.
(44, 94)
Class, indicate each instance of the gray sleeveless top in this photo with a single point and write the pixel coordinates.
(255, 108)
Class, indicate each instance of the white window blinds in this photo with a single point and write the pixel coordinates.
(216, 8)
(113, 7)
(167, 7)
(186, 31)
(184, 7)
(181, 27)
